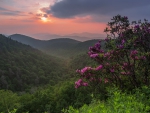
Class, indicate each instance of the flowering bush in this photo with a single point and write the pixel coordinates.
(126, 60)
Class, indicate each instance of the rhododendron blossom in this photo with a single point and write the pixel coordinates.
(99, 67)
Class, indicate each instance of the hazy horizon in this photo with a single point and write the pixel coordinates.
(78, 37)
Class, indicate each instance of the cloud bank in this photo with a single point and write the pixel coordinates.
(76, 8)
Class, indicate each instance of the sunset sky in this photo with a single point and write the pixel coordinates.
(64, 17)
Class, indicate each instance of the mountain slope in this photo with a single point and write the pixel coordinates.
(22, 67)
(28, 40)
(61, 47)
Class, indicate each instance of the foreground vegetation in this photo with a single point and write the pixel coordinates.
(117, 82)
(118, 102)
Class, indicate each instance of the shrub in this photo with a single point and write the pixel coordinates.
(117, 103)
(126, 60)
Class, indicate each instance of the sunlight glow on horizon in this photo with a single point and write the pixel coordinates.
(44, 19)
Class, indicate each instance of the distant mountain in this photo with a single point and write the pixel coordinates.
(23, 67)
(61, 47)
(77, 36)
(88, 35)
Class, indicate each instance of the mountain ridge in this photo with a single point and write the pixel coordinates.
(60, 47)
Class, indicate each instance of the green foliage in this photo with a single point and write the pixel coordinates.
(117, 102)
(54, 98)
(8, 101)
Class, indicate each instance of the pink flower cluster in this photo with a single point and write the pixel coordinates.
(112, 70)
(86, 69)
(94, 55)
(86, 73)
(99, 67)
(95, 50)
(80, 83)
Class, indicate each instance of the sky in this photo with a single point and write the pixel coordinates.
(38, 18)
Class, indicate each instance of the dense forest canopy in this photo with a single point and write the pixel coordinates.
(22, 66)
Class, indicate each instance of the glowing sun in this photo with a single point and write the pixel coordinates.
(44, 19)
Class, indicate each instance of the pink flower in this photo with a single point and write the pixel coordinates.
(97, 45)
(112, 70)
(123, 41)
(134, 52)
(136, 26)
(99, 67)
(125, 64)
(143, 57)
(78, 83)
(93, 55)
(85, 84)
(85, 69)
(121, 46)
(125, 73)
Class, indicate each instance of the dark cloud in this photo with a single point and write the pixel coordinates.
(73, 8)
(4, 11)
(45, 15)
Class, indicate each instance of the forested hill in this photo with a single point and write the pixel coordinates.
(61, 47)
(43, 44)
(22, 67)
(28, 40)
